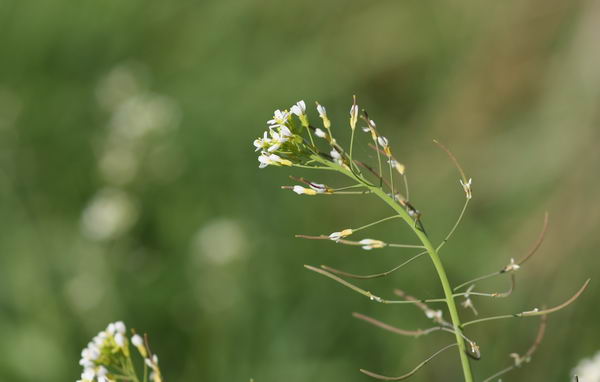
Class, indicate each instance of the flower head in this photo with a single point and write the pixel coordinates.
(512, 266)
(299, 108)
(320, 133)
(369, 244)
(107, 351)
(280, 118)
(335, 236)
(301, 190)
(266, 159)
(467, 188)
(353, 116)
(323, 114)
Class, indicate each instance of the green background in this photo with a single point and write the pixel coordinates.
(129, 188)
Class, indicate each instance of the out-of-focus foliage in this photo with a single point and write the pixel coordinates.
(129, 188)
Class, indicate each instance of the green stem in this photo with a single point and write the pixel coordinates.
(437, 263)
(439, 267)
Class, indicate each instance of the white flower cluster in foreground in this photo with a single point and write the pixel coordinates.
(588, 369)
(108, 355)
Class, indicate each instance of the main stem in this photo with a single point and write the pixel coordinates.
(437, 263)
(439, 267)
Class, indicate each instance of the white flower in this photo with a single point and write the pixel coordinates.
(262, 143)
(320, 188)
(366, 129)
(301, 190)
(435, 315)
(468, 303)
(369, 244)
(101, 374)
(383, 142)
(266, 159)
(335, 236)
(299, 108)
(335, 154)
(588, 369)
(323, 114)
(353, 116)
(512, 266)
(120, 327)
(322, 111)
(285, 131)
(280, 118)
(467, 188)
(137, 340)
(88, 374)
(120, 339)
(320, 133)
(397, 165)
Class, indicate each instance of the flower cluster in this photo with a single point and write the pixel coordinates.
(282, 143)
(107, 357)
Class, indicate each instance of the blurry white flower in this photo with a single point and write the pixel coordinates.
(323, 114)
(137, 340)
(512, 266)
(262, 143)
(353, 116)
(468, 303)
(266, 159)
(219, 241)
(435, 315)
(299, 108)
(399, 167)
(280, 118)
(322, 111)
(467, 188)
(301, 190)
(109, 214)
(383, 142)
(318, 187)
(120, 339)
(369, 244)
(588, 369)
(340, 235)
(320, 133)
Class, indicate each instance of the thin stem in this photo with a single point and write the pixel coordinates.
(531, 252)
(410, 333)
(352, 242)
(374, 275)
(534, 312)
(484, 277)
(527, 357)
(462, 213)
(453, 159)
(313, 167)
(413, 371)
(351, 147)
(538, 242)
(393, 329)
(405, 179)
(347, 187)
(376, 222)
(501, 372)
(366, 293)
(391, 175)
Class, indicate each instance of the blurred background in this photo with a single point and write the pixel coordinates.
(130, 190)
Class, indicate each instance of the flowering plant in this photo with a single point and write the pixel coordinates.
(291, 140)
(107, 358)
